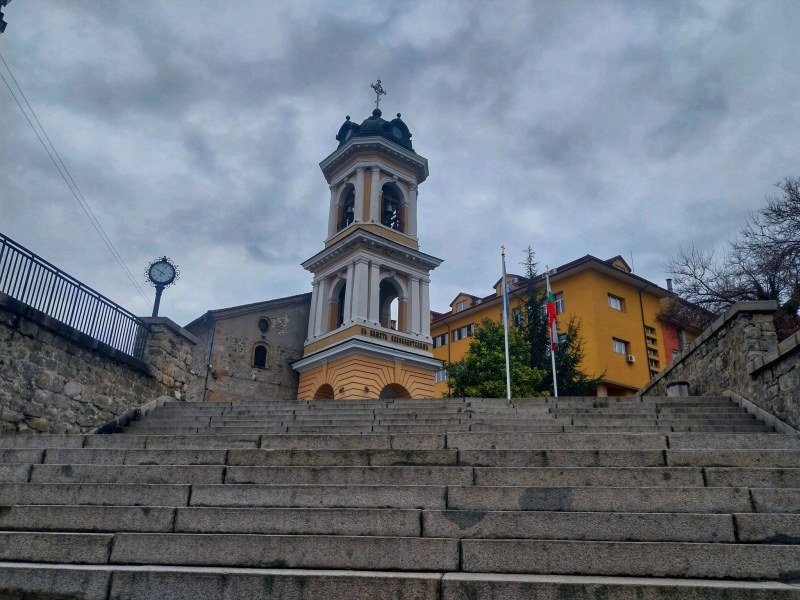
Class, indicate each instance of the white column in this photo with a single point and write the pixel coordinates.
(375, 196)
(359, 204)
(312, 314)
(374, 291)
(334, 210)
(414, 305)
(411, 212)
(425, 307)
(348, 295)
(360, 289)
(322, 306)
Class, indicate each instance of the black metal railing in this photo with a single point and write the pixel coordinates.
(37, 283)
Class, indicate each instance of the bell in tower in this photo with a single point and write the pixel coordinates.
(369, 327)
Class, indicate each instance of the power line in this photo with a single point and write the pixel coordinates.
(67, 177)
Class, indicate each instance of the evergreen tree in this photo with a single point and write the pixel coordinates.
(481, 373)
(569, 353)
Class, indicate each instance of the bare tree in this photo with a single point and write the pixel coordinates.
(761, 263)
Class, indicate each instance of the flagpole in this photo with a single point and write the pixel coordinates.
(553, 334)
(505, 323)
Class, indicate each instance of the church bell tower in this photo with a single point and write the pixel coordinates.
(369, 327)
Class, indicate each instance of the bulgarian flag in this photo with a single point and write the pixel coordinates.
(551, 314)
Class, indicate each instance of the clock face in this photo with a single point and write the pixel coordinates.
(349, 134)
(397, 133)
(162, 272)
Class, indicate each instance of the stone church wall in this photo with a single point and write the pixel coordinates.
(56, 379)
(739, 355)
(232, 376)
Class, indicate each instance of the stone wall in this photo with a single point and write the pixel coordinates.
(739, 355)
(227, 339)
(55, 379)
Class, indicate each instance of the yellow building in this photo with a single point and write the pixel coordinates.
(369, 326)
(624, 338)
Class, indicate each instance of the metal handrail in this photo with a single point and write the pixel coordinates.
(32, 280)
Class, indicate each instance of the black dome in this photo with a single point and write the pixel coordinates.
(395, 130)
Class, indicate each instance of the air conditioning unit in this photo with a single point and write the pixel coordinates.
(631, 359)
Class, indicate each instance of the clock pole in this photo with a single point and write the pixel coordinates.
(159, 289)
(161, 273)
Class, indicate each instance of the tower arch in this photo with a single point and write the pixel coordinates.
(346, 207)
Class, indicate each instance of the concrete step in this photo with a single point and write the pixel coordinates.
(320, 496)
(87, 518)
(122, 456)
(634, 559)
(457, 586)
(96, 494)
(591, 476)
(263, 457)
(398, 441)
(292, 551)
(643, 527)
(571, 441)
(140, 474)
(733, 458)
(42, 441)
(564, 458)
(742, 441)
(659, 499)
(426, 475)
(101, 582)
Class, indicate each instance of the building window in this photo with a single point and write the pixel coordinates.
(263, 325)
(558, 300)
(516, 317)
(260, 357)
(461, 306)
(463, 332)
(651, 340)
(652, 352)
(649, 330)
(440, 340)
(653, 373)
(619, 346)
(616, 302)
(653, 363)
(440, 376)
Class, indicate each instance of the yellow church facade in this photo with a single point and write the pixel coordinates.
(625, 338)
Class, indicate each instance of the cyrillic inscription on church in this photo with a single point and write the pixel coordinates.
(395, 339)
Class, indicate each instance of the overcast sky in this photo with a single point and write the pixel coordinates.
(194, 129)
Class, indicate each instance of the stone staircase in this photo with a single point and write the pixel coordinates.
(553, 498)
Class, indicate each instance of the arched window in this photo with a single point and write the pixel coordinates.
(260, 357)
(391, 207)
(347, 208)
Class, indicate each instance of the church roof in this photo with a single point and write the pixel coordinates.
(375, 125)
(246, 308)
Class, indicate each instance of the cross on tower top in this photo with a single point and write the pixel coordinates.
(379, 91)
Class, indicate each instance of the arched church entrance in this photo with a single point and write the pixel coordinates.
(394, 390)
(324, 392)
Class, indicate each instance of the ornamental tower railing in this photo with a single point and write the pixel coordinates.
(29, 279)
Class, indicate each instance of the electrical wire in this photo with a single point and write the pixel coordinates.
(67, 177)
